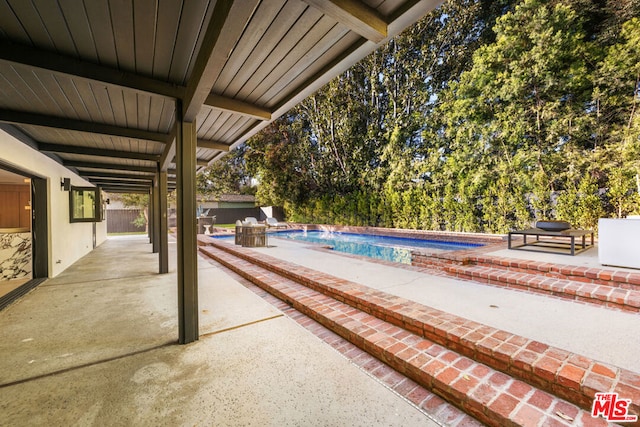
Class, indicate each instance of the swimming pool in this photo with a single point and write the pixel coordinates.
(395, 249)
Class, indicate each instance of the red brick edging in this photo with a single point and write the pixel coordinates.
(602, 287)
(489, 395)
(568, 375)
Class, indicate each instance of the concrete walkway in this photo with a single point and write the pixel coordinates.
(97, 346)
(602, 334)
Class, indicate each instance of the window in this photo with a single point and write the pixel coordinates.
(84, 204)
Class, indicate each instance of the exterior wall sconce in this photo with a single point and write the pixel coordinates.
(65, 184)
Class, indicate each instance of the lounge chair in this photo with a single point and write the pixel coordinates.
(273, 223)
(251, 220)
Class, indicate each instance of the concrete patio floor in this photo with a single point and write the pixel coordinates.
(97, 346)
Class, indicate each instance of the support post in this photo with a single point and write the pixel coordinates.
(186, 232)
(163, 241)
(155, 200)
(150, 216)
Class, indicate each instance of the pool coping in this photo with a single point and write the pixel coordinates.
(488, 242)
(408, 233)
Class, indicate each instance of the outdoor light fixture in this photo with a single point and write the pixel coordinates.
(65, 184)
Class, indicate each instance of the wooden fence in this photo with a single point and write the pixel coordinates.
(121, 221)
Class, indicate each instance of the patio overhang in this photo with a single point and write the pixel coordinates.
(139, 98)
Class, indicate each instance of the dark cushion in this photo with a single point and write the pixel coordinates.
(553, 225)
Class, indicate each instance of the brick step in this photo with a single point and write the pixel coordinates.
(490, 396)
(601, 295)
(597, 276)
(568, 375)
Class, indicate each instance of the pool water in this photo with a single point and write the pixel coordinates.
(395, 249)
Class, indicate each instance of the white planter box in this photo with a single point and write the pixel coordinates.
(619, 242)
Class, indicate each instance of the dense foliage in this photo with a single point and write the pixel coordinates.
(228, 177)
(485, 116)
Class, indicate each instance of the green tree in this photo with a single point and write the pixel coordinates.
(522, 102)
(618, 100)
(226, 176)
(282, 162)
(485, 116)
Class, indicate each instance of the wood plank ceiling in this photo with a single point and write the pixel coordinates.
(94, 83)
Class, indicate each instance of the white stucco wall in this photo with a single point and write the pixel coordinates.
(68, 242)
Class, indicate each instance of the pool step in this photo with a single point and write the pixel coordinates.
(522, 361)
(597, 294)
(607, 288)
(597, 276)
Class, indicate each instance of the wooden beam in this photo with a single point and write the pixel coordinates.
(75, 149)
(206, 66)
(208, 63)
(120, 177)
(355, 15)
(169, 150)
(71, 66)
(121, 181)
(125, 190)
(237, 107)
(110, 166)
(99, 183)
(212, 145)
(111, 185)
(116, 182)
(22, 118)
(92, 174)
(199, 162)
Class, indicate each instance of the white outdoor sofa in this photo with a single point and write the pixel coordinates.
(619, 242)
